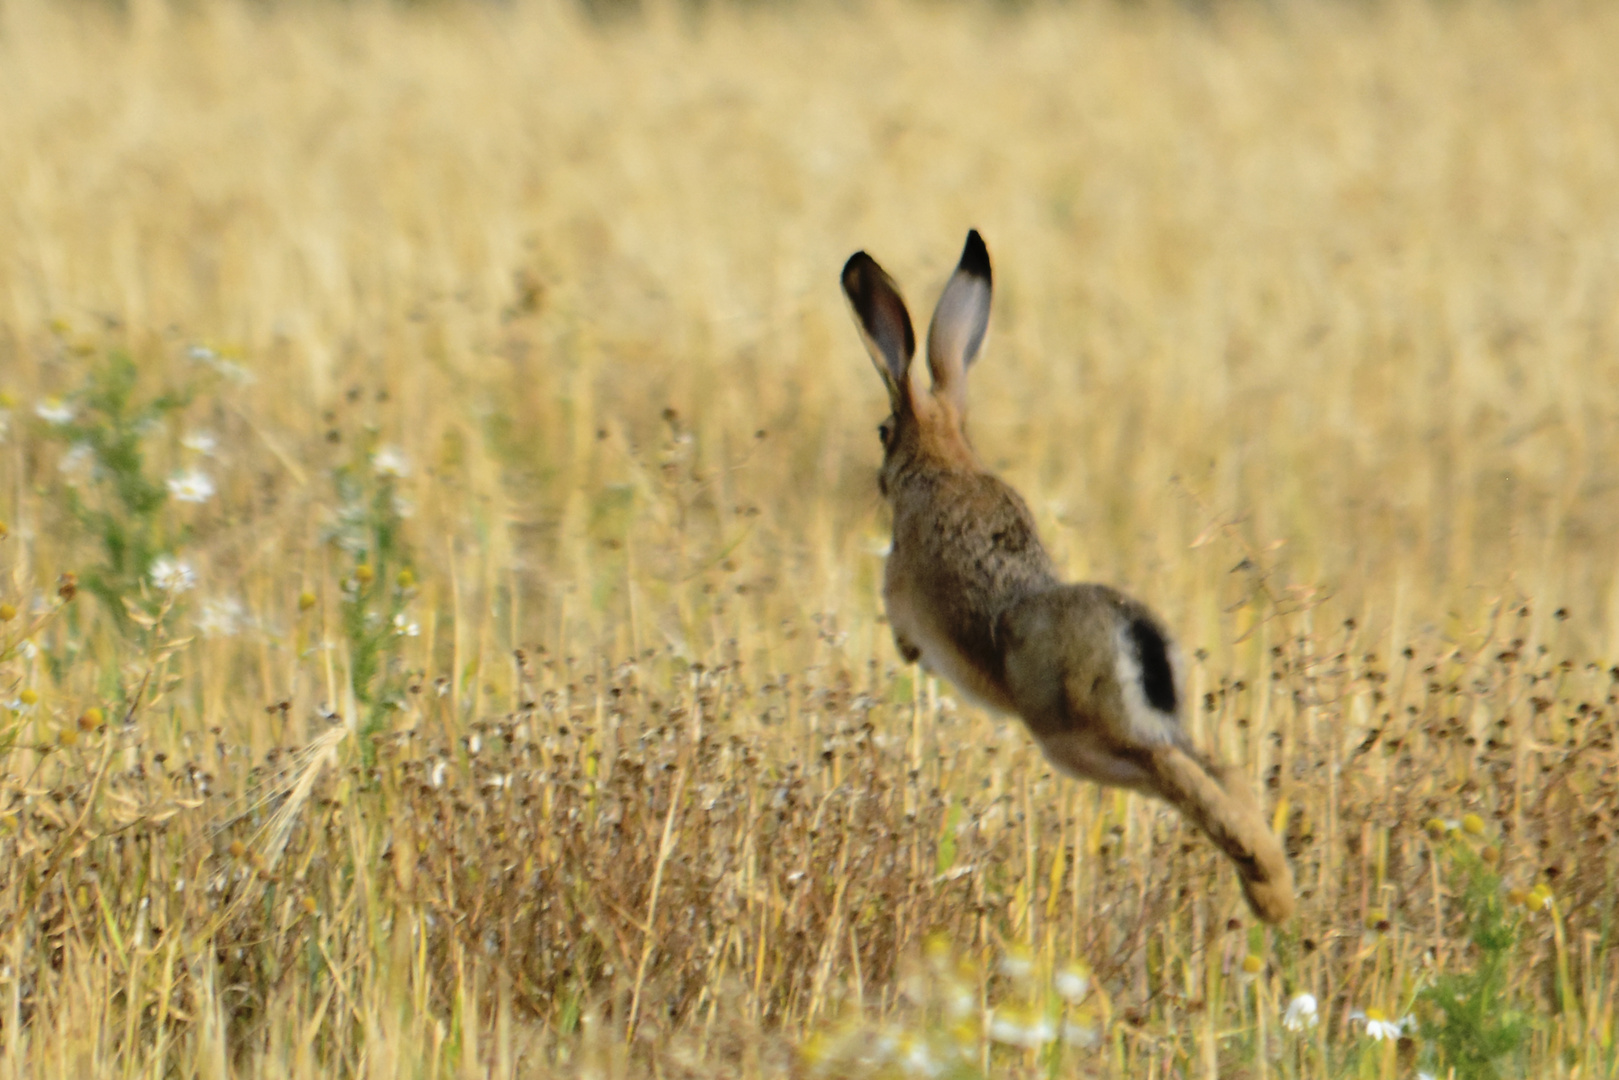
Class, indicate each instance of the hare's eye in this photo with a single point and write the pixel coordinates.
(882, 433)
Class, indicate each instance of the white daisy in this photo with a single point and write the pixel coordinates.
(1301, 1013)
(390, 461)
(1379, 1027)
(54, 411)
(193, 486)
(918, 1060)
(1072, 983)
(172, 575)
(1378, 1030)
(224, 616)
(231, 370)
(201, 442)
(1017, 963)
(1029, 1032)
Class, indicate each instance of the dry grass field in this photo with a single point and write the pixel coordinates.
(473, 663)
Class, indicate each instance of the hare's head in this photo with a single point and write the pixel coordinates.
(926, 426)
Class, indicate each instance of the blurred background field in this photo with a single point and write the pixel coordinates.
(466, 466)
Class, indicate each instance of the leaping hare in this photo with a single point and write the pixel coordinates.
(972, 593)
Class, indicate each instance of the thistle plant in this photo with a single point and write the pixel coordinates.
(379, 584)
(108, 490)
(1473, 1021)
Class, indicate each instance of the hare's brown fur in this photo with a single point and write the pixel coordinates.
(972, 594)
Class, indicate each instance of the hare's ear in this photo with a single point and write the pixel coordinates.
(959, 323)
(885, 325)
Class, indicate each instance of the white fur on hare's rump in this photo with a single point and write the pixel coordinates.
(972, 594)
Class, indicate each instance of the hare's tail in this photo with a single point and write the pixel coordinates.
(1219, 801)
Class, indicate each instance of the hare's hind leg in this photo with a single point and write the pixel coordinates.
(1218, 800)
(1098, 683)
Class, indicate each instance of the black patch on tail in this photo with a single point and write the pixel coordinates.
(1157, 678)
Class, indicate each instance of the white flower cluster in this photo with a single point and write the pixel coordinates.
(1301, 1013)
(229, 369)
(223, 616)
(54, 411)
(172, 575)
(951, 1042)
(200, 442)
(192, 486)
(1016, 1029)
(390, 462)
(1380, 1027)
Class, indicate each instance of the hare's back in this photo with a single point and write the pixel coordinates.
(969, 541)
(965, 550)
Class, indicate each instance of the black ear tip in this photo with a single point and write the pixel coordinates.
(975, 256)
(878, 306)
(856, 272)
